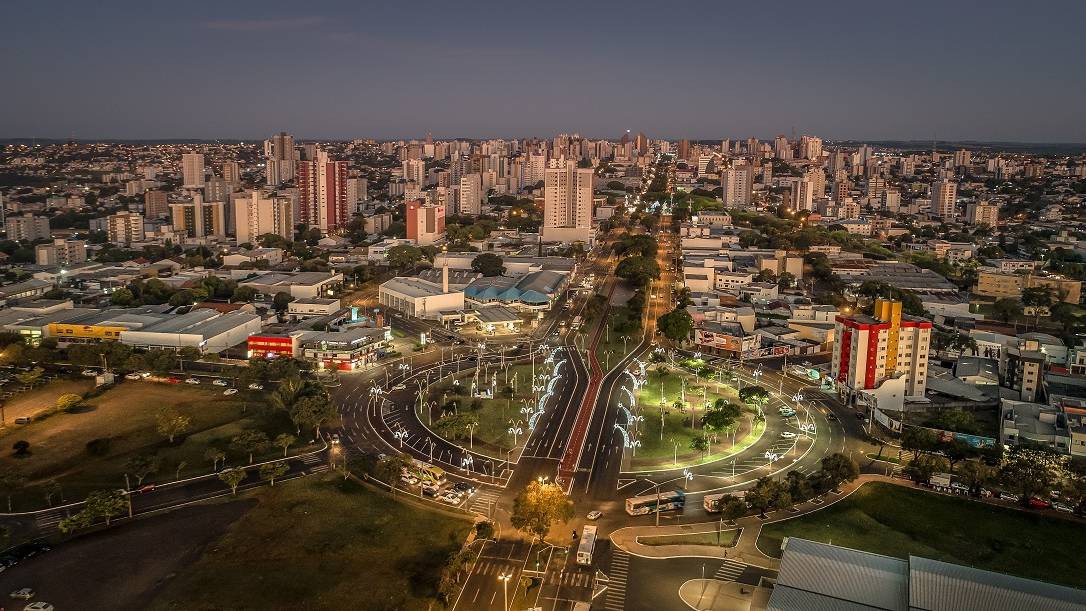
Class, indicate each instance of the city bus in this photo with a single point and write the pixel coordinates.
(576, 323)
(641, 505)
(586, 546)
(429, 472)
(712, 502)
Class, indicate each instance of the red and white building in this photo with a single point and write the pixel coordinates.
(872, 349)
(322, 193)
(264, 346)
(425, 223)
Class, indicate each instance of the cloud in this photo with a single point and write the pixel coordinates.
(265, 25)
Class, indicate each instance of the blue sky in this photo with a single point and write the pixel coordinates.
(861, 70)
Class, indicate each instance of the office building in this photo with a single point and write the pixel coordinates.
(258, 214)
(944, 195)
(280, 159)
(872, 349)
(567, 202)
(156, 204)
(192, 170)
(737, 184)
(27, 227)
(425, 223)
(322, 192)
(471, 196)
(124, 228)
(61, 252)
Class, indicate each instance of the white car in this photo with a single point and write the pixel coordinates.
(192, 381)
(410, 480)
(230, 391)
(90, 373)
(133, 376)
(399, 387)
(450, 498)
(595, 514)
(255, 386)
(219, 382)
(38, 606)
(788, 435)
(24, 594)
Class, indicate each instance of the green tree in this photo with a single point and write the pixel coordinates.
(272, 470)
(389, 468)
(754, 396)
(676, 325)
(539, 506)
(921, 469)
(249, 442)
(404, 256)
(243, 294)
(68, 401)
(919, 441)
(142, 465)
(312, 412)
(1005, 309)
(170, 423)
(488, 264)
(30, 378)
(638, 270)
(122, 298)
(280, 301)
(285, 440)
(732, 508)
(11, 481)
(838, 469)
(233, 478)
(799, 486)
(106, 504)
(1030, 471)
(215, 455)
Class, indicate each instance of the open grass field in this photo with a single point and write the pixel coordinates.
(42, 399)
(126, 417)
(900, 521)
(321, 544)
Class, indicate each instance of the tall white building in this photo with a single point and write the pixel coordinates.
(737, 185)
(125, 228)
(810, 147)
(261, 214)
(415, 170)
(944, 195)
(357, 191)
(567, 202)
(27, 227)
(192, 170)
(471, 194)
(803, 195)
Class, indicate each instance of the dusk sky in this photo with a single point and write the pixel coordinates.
(856, 70)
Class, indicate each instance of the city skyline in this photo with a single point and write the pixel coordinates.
(989, 73)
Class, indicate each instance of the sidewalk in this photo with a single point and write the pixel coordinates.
(746, 548)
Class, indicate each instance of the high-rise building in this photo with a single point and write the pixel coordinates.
(125, 228)
(192, 170)
(61, 252)
(781, 148)
(641, 143)
(891, 200)
(279, 158)
(471, 195)
(425, 223)
(357, 191)
(415, 169)
(944, 196)
(27, 227)
(803, 195)
(962, 159)
(322, 192)
(982, 213)
(684, 149)
(737, 185)
(567, 202)
(231, 172)
(868, 350)
(199, 219)
(155, 204)
(810, 147)
(260, 214)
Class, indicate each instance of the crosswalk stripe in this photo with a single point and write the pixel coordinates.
(730, 570)
(616, 590)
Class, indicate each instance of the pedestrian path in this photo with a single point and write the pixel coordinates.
(730, 570)
(311, 459)
(616, 587)
(483, 502)
(48, 521)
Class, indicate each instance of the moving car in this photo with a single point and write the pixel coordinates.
(399, 387)
(788, 413)
(145, 488)
(90, 373)
(38, 606)
(255, 386)
(219, 382)
(230, 391)
(192, 381)
(132, 376)
(1007, 496)
(788, 435)
(23, 593)
(595, 514)
(1037, 503)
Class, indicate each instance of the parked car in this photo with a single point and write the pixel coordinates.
(464, 488)
(430, 490)
(23, 420)
(132, 376)
(193, 381)
(788, 435)
(90, 373)
(230, 391)
(38, 606)
(255, 386)
(595, 514)
(1007, 496)
(399, 387)
(410, 480)
(450, 498)
(219, 382)
(1064, 507)
(1037, 503)
(23, 593)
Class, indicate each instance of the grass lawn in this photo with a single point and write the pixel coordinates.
(42, 399)
(321, 544)
(677, 433)
(723, 539)
(492, 434)
(898, 521)
(126, 416)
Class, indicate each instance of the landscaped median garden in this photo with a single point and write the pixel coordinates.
(690, 419)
